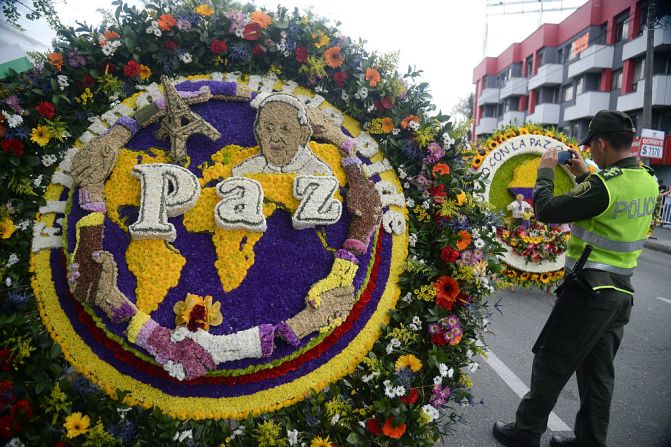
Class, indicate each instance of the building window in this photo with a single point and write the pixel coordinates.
(539, 58)
(580, 85)
(575, 130)
(530, 66)
(560, 56)
(639, 71)
(642, 8)
(555, 95)
(601, 38)
(568, 92)
(616, 80)
(621, 26)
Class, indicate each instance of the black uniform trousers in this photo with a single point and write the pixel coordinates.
(582, 335)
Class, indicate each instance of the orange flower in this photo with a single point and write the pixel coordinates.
(109, 35)
(406, 121)
(447, 289)
(261, 18)
(391, 431)
(145, 72)
(387, 125)
(333, 57)
(464, 241)
(440, 169)
(56, 59)
(372, 76)
(166, 22)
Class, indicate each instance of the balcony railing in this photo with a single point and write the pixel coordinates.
(586, 105)
(514, 87)
(661, 94)
(486, 126)
(637, 46)
(548, 74)
(594, 58)
(512, 117)
(547, 113)
(489, 96)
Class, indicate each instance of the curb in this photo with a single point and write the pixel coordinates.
(664, 247)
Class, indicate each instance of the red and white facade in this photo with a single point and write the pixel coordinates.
(562, 74)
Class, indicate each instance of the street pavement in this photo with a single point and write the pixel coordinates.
(641, 408)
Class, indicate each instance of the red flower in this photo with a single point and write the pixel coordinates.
(109, 68)
(5, 358)
(166, 22)
(258, 50)
(171, 45)
(340, 77)
(412, 396)
(13, 145)
(218, 46)
(447, 290)
(438, 193)
(373, 426)
(88, 81)
(24, 406)
(251, 31)
(46, 109)
(391, 430)
(463, 299)
(387, 103)
(6, 427)
(449, 254)
(59, 444)
(131, 69)
(438, 339)
(301, 55)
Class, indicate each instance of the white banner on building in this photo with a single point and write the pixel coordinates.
(652, 143)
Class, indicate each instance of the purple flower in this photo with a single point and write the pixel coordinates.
(183, 24)
(75, 59)
(433, 328)
(13, 102)
(239, 52)
(435, 153)
(439, 395)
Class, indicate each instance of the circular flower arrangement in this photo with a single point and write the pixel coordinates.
(509, 160)
(339, 301)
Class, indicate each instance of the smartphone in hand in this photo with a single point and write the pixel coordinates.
(563, 157)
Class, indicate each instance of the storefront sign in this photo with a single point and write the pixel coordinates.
(652, 144)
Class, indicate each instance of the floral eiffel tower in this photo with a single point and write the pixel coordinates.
(180, 123)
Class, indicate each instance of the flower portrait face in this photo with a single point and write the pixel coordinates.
(279, 132)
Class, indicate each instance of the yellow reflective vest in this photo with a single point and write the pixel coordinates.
(617, 235)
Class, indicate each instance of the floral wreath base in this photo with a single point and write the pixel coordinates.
(345, 307)
(503, 146)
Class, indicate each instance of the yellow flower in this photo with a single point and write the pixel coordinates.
(461, 198)
(204, 10)
(206, 314)
(409, 361)
(7, 228)
(322, 39)
(40, 135)
(145, 72)
(320, 442)
(76, 424)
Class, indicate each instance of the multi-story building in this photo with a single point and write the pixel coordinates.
(562, 74)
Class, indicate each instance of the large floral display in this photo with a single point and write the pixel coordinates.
(509, 158)
(241, 228)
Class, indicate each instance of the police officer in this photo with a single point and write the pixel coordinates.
(611, 211)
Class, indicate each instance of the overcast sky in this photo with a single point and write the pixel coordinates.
(445, 38)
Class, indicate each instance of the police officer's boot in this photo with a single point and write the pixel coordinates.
(510, 436)
(561, 441)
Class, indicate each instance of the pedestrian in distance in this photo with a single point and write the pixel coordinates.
(611, 212)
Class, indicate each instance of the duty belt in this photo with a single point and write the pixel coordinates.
(569, 263)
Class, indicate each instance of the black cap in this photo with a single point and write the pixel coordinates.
(608, 121)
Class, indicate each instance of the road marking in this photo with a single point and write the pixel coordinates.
(554, 422)
(666, 300)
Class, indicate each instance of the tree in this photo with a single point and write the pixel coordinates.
(464, 107)
(13, 10)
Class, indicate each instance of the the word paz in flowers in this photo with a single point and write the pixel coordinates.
(170, 190)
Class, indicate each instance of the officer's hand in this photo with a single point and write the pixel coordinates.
(577, 164)
(549, 159)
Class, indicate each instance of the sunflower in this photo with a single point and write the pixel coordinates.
(524, 276)
(318, 441)
(545, 278)
(534, 277)
(409, 361)
(512, 274)
(41, 135)
(77, 424)
(447, 290)
(492, 144)
(465, 238)
(333, 57)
